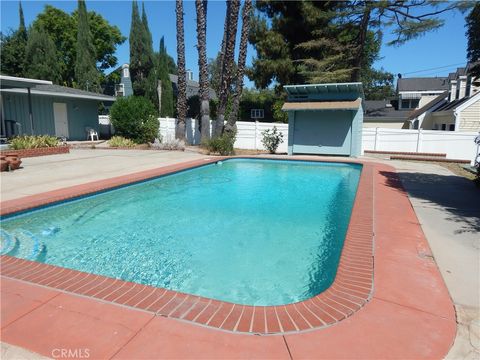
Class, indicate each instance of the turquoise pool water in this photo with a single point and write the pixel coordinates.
(257, 232)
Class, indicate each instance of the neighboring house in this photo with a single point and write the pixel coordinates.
(413, 93)
(193, 87)
(124, 86)
(383, 114)
(457, 109)
(30, 106)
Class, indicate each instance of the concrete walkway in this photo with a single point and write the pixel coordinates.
(46, 173)
(448, 209)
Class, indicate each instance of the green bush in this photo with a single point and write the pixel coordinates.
(120, 141)
(271, 139)
(33, 142)
(135, 118)
(222, 145)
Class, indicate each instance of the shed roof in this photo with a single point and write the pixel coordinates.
(322, 105)
(324, 88)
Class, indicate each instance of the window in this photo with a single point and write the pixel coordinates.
(405, 104)
(410, 103)
(256, 113)
(451, 127)
(125, 73)
(444, 127)
(414, 103)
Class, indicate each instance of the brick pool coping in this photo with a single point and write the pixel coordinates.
(351, 289)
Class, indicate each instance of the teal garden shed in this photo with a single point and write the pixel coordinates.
(38, 107)
(325, 119)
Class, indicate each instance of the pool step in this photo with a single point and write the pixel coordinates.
(23, 244)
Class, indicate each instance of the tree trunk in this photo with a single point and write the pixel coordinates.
(242, 57)
(362, 37)
(201, 6)
(159, 92)
(233, 7)
(182, 78)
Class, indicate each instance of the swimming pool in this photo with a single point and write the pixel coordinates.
(257, 232)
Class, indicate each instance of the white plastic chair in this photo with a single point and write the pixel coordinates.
(91, 133)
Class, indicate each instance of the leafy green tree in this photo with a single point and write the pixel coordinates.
(166, 103)
(407, 19)
(41, 57)
(62, 28)
(12, 49)
(135, 118)
(86, 73)
(473, 35)
(378, 84)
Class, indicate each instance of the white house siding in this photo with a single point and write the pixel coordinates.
(470, 118)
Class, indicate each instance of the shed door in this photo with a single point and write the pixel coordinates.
(61, 119)
(323, 132)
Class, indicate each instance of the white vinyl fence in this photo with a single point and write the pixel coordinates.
(457, 145)
(249, 134)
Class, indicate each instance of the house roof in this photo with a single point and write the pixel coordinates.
(19, 82)
(383, 110)
(429, 105)
(61, 91)
(322, 105)
(452, 104)
(422, 84)
(193, 87)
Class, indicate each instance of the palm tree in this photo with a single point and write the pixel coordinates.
(231, 20)
(182, 78)
(242, 57)
(201, 6)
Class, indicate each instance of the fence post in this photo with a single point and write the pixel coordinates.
(375, 143)
(256, 125)
(419, 139)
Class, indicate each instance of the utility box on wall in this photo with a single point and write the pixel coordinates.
(325, 119)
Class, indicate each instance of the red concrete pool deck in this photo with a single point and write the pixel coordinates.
(408, 314)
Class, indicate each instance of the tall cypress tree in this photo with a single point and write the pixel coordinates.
(149, 61)
(142, 66)
(166, 106)
(22, 30)
(41, 57)
(86, 73)
(12, 49)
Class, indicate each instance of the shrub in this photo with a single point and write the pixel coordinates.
(272, 138)
(222, 145)
(120, 141)
(33, 142)
(170, 144)
(135, 118)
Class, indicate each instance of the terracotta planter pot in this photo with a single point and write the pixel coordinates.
(14, 165)
(3, 165)
(11, 158)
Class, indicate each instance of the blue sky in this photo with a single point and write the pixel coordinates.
(444, 48)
